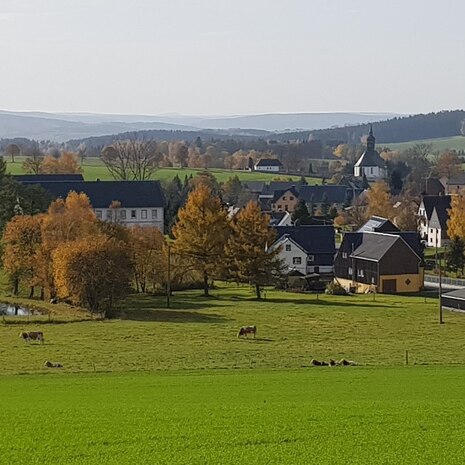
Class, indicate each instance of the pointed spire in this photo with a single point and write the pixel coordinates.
(371, 139)
(371, 129)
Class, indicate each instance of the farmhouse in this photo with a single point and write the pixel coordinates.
(285, 200)
(332, 195)
(380, 262)
(306, 249)
(129, 203)
(269, 165)
(370, 163)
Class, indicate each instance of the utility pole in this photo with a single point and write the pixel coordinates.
(168, 280)
(441, 321)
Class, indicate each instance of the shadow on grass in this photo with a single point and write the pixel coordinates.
(168, 316)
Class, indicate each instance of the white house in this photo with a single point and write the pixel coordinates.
(437, 228)
(370, 162)
(129, 203)
(429, 204)
(272, 165)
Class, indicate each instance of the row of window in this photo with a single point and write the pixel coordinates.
(298, 260)
(112, 214)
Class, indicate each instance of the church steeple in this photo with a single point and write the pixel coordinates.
(371, 140)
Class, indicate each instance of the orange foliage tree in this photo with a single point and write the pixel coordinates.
(201, 233)
(379, 200)
(456, 222)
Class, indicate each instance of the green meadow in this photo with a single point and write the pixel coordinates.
(438, 145)
(177, 386)
(94, 169)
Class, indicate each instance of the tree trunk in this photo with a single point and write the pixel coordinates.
(31, 292)
(205, 284)
(257, 291)
(16, 286)
(42, 293)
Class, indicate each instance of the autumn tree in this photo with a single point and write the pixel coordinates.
(146, 244)
(405, 212)
(379, 200)
(454, 255)
(249, 256)
(456, 221)
(448, 164)
(201, 232)
(92, 273)
(21, 241)
(132, 159)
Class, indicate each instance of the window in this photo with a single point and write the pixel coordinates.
(109, 215)
(286, 207)
(350, 271)
(344, 254)
(360, 273)
(311, 258)
(316, 269)
(280, 207)
(99, 214)
(284, 198)
(144, 214)
(291, 198)
(154, 214)
(133, 214)
(297, 261)
(288, 247)
(123, 214)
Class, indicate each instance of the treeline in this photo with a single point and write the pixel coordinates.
(70, 255)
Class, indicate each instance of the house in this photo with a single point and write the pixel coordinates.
(331, 194)
(454, 184)
(378, 224)
(380, 262)
(269, 164)
(269, 189)
(437, 227)
(435, 186)
(282, 218)
(425, 212)
(285, 200)
(370, 164)
(306, 249)
(140, 202)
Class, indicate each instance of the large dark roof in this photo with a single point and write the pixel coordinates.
(459, 179)
(334, 194)
(434, 187)
(269, 162)
(278, 194)
(254, 186)
(371, 158)
(378, 224)
(313, 239)
(48, 177)
(458, 294)
(431, 201)
(131, 194)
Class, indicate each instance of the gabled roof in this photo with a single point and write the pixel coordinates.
(48, 177)
(333, 193)
(278, 194)
(268, 162)
(458, 294)
(312, 239)
(434, 187)
(378, 224)
(277, 217)
(371, 158)
(459, 180)
(439, 218)
(254, 186)
(131, 194)
(431, 201)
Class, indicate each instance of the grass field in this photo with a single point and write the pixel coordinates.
(94, 169)
(176, 386)
(317, 416)
(438, 145)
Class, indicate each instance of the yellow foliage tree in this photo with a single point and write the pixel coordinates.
(456, 222)
(67, 163)
(448, 165)
(92, 273)
(201, 232)
(147, 254)
(249, 256)
(379, 200)
(21, 241)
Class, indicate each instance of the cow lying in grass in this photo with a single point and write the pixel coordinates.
(32, 336)
(332, 363)
(245, 330)
(49, 364)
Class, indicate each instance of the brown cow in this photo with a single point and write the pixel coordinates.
(32, 336)
(247, 330)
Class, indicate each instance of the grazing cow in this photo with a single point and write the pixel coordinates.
(245, 330)
(346, 363)
(49, 364)
(316, 363)
(32, 336)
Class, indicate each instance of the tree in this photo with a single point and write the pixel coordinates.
(456, 221)
(146, 245)
(301, 215)
(201, 232)
(132, 159)
(32, 165)
(92, 273)
(21, 240)
(12, 150)
(395, 182)
(379, 200)
(448, 164)
(405, 212)
(232, 190)
(250, 258)
(325, 206)
(455, 254)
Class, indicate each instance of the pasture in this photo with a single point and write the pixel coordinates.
(438, 145)
(325, 415)
(94, 169)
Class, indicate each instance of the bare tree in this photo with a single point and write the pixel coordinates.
(131, 159)
(13, 151)
(82, 149)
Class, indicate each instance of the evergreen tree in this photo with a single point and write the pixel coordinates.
(395, 182)
(455, 254)
(232, 190)
(325, 206)
(301, 215)
(365, 183)
(249, 257)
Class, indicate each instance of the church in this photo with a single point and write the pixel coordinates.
(370, 163)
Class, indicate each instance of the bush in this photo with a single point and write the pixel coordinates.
(334, 288)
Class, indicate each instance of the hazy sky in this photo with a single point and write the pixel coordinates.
(232, 56)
